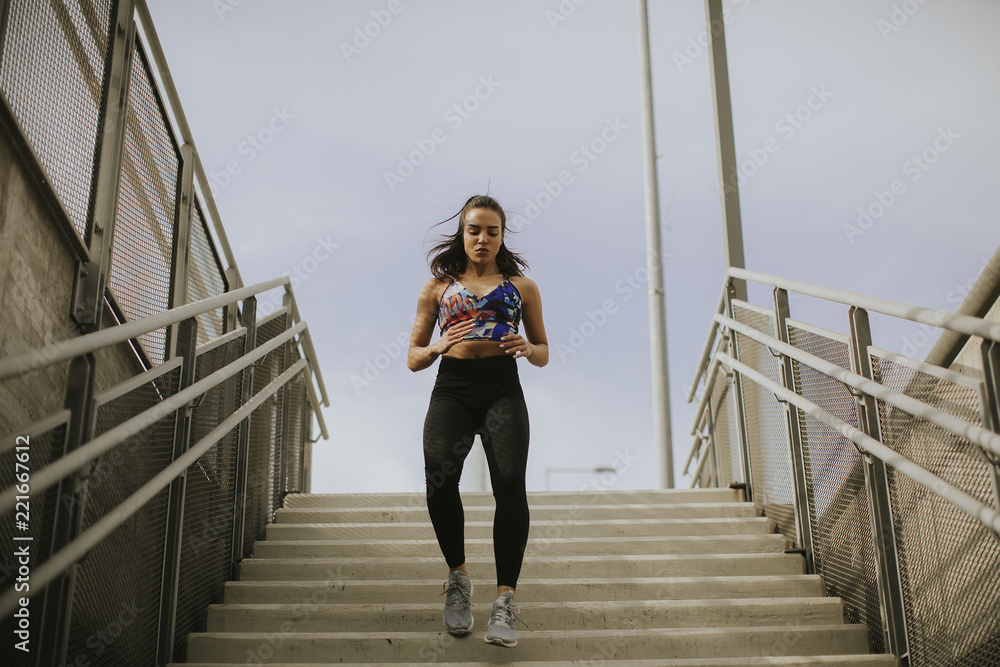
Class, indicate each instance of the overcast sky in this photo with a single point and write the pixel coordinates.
(338, 133)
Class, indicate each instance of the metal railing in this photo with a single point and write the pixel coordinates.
(144, 453)
(884, 469)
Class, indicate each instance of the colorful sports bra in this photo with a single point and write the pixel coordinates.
(496, 314)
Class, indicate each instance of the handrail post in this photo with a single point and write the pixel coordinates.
(57, 607)
(890, 586)
(800, 482)
(243, 443)
(92, 276)
(990, 351)
(286, 362)
(186, 347)
(182, 243)
(741, 419)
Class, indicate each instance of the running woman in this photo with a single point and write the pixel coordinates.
(477, 296)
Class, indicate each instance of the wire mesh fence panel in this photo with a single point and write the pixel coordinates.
(53, 75)
(143, 250)
(206, 276)
(293, 441)
(209, 499)
(724, 433)
(265, 436)
(948, 560)
(42, 448)
(835, 480)
(767, 432)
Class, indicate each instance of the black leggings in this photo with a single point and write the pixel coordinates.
(478, 396)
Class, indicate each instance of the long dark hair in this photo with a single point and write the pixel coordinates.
(448, 260)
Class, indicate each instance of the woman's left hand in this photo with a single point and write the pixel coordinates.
(517, 345)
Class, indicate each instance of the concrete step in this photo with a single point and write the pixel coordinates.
(789, 661)
(559, 528)
(646, 644)
(535, 498)
(334, 590)
(565, 546)
(426, 617)
(541, 513)
(540, 567)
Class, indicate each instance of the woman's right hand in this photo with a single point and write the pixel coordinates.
(453, 335)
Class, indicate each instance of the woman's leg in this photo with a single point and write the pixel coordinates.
(505, 441)
(449, 430)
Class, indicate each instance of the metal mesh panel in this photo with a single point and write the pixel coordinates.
(209, 500)
(40, 521)
(948, 561)
(142, 256)
(767, 433)
(263, 483)
(835, 481)
(53, 75)
(727, 442)
(206, 276)
(293, 440)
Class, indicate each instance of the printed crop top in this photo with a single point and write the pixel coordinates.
(496, 314)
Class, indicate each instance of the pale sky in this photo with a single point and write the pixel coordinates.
(866, 131)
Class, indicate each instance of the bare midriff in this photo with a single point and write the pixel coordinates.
(475, 349)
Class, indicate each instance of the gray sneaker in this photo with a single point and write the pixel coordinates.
(502, 631)
(457, 615)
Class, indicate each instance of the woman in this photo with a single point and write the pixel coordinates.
(477, 391)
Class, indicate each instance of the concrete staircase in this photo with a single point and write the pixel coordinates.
(632, 578)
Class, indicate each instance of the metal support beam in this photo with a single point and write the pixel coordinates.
(800, 484)
(285, 398)
(186, 346)
(243, 443)
(92, 276)
(729, 189)
(57, 607)
(890, 586)
(654, 263)
(182, 242)
(990, 351)
(739, 404)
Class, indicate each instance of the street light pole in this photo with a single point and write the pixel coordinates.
(654, 263)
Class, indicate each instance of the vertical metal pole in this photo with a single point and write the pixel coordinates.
(729, 190)
(990, 351)
(92, 277)
(800, 481)
(739, 403)
(307, 445)
(182, 243)
(890, 586)
(713, 443)
(57, 609)
(282, 444)
(243, 443)
(654, 263)
(186, 346)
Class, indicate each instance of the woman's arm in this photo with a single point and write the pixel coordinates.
(421, 353)
(534, 346)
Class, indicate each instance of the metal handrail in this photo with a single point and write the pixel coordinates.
(706, 350)
(987, 516)
(51, 474)
(22, 364)
(984, 438)
(79, 547)
(963, 324)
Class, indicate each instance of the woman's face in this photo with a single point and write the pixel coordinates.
(483, 235)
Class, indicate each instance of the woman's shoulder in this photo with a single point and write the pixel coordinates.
(524, 285)
(434, 287)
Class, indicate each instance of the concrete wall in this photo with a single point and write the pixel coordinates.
(37, 266)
